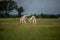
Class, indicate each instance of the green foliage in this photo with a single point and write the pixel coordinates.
(7, 6)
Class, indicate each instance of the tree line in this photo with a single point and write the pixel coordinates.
(42, 15)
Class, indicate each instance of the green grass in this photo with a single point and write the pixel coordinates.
(45, 29)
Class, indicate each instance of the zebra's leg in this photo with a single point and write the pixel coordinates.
(25, 21)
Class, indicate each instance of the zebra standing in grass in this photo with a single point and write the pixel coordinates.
(32, 19)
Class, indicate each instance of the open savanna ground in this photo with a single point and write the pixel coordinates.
(45, 29)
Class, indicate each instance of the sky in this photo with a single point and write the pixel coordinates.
(39, 6)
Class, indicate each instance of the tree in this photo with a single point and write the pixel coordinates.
(42, 15)
(7, 6)
(20, 10)
(35, 15)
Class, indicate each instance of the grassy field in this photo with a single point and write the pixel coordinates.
(45, 29)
